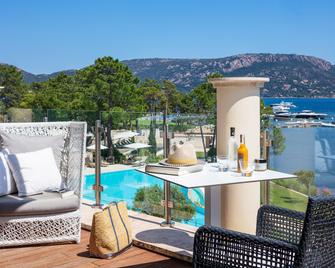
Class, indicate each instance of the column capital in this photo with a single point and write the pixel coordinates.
(220, 83)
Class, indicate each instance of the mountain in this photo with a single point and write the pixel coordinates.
(290, 75)
(30, 78)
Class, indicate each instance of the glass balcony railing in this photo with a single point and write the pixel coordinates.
(138, 138)
(199, 130)
(310, 154)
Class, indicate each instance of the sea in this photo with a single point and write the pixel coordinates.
(326, 105)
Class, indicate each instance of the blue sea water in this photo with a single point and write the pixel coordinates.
(122, 186)
(316, 105)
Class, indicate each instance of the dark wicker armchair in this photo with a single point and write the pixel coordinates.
(284, 238)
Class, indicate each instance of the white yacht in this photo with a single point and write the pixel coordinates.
(283, 115)
(308, 114)
(282, 107)
(284, 103)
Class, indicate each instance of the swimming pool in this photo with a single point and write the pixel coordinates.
(123, 185)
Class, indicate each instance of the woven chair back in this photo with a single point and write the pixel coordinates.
(317, 244)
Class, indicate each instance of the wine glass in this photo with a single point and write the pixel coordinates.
(222, 162)
(246, 168)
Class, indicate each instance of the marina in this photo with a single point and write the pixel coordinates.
(296, 113)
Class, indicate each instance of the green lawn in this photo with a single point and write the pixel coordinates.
(283, 197)
(145, 123)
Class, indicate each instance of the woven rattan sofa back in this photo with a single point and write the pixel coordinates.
(74, 133)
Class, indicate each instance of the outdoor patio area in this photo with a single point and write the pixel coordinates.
(167, 134)
(77, 255)
(175, 242)
(208, 217)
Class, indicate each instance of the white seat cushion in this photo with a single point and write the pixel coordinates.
(23, 144)
(35, 172)
(7, 183)
(40, 204)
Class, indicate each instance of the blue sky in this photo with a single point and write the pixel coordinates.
(45, 36)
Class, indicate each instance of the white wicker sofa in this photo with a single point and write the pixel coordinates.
(46, 218)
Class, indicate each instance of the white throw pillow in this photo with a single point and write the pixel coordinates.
(7, 183)
(35, 172)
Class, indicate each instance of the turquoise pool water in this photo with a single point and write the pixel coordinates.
(122, 185)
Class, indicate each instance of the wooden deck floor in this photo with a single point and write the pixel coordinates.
(76, 255)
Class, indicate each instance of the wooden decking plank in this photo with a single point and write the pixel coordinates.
(33, 261)
(140, 259)
(133, 252)
(76, 255)
(25, 256)
(69, 262)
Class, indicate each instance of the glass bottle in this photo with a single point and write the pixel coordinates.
(242, 153)
(232, 150)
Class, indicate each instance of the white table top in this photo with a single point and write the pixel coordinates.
(210, 176)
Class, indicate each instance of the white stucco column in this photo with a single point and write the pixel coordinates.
(238, 105)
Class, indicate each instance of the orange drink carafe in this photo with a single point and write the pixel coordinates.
(242, 153)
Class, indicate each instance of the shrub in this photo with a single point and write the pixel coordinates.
(148, 200)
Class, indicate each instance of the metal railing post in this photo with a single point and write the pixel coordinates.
(266, 144)
(167, 202)
(267, 184)
(97, 186)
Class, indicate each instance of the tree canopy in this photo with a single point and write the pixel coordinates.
(12, 88)
(107, 85)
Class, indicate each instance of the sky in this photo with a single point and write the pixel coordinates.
(42, 36)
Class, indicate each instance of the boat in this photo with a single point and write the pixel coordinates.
(284, 103)
(308, 114)
(282, 107)
(305, 114)
(283, 115)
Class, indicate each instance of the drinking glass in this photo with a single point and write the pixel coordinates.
(246, 168)
(222, 162)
